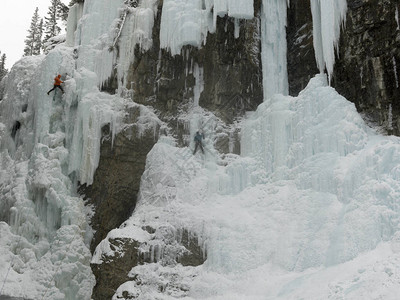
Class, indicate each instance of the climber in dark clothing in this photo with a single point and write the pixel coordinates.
(57, 84)
(197, 139)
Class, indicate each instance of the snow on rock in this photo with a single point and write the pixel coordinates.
(328, 16)
(104, 249)
(188, 22)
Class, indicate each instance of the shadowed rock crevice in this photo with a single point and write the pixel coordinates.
(116, 182)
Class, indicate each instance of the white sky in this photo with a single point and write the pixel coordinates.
(15, 19)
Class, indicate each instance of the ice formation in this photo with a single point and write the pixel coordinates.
(309, 210)
(312, 198)
(396, 77)
(328, 16)
(273, 47)
(50, 142)
(188, 22)
(74, 15)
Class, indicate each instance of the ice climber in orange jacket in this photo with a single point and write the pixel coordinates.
(57, 84)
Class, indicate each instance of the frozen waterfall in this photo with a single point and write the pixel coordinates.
(308, 210)
(48, 143)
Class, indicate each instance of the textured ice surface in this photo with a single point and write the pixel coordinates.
(273, 47)
(188, 22)
(313, 198)
(49, 142)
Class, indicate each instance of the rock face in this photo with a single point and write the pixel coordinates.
(116, 181)
(368, 65)
(300, 53)
(228, 70)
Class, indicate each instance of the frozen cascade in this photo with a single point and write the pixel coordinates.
(273, 47)
(312, 198)
(390, 118)
(188, 22)
(328, 16)
(74, 15)
(396, 77)
(199, 87)
(138, 30)
(42, 222)
(308, 198)
(50, 142)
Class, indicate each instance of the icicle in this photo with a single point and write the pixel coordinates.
(74, 15)
(328, 16)
(395, 72)
(390, 118)
(274, 47)
(237, 28)
(188, 22)
(199, 84)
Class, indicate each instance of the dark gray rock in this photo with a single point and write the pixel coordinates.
(117, 179)
(300, 53)
(368, 64)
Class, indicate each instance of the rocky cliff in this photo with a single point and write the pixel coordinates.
(228, 71)
(367, 59)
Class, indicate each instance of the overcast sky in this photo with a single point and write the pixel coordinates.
(15, 19)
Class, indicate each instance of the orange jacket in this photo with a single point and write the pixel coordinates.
(57, 80)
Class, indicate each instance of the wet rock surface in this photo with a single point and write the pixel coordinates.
(368, 62)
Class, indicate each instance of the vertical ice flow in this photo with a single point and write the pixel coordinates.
(273, 47)
(328, 16)
(188, 22)
(49, 142)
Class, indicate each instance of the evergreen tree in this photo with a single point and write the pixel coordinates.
(62, 11)
(33, 35)
(38, 39)
(75, 1)
(3, 70)
(51, 27)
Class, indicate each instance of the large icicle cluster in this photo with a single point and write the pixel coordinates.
(188, 22)
(328, 16)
